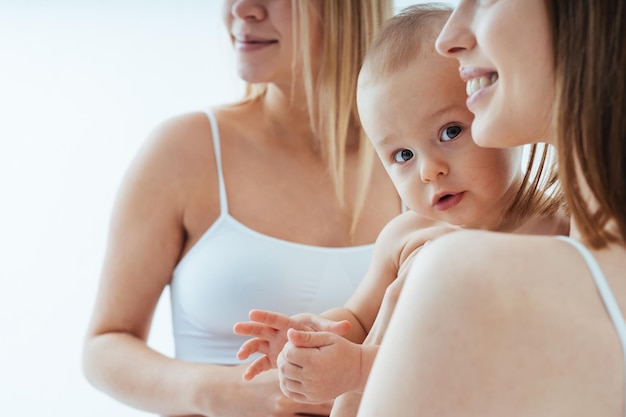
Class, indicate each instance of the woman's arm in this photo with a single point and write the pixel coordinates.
(146, 239)
(149, 232)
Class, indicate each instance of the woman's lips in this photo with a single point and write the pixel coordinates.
(252, 43)
(447, 201)
(479, 82)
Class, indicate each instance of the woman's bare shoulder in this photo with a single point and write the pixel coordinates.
(500, 267)
(481, 243)
(176, 154)
(194, 128)
(496, 260)
(521, 308)
(181, 129)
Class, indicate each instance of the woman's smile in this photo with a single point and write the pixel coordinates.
(249, 43)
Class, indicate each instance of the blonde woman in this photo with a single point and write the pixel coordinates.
(272, 202)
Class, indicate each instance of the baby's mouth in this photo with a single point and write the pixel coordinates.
(478, 83)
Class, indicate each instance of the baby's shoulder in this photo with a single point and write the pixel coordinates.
(410, 225)
(408, 232)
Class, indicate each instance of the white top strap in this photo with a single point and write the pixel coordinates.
(218, 161)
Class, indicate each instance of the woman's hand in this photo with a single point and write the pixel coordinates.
(259, 398)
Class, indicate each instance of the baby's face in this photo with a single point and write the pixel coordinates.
(419, 125)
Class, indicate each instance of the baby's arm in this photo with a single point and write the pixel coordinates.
(396, 243)
(335, 366)
(347, 404)
(269, 329)
(395, 247)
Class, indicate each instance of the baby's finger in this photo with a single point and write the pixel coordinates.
(252, 346)
(291, 389)
(253, 329)
(260, 365)
(270, 318)
(318, 323)
(310, 339)
(295, 390)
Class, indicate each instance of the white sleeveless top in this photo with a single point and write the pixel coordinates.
(233, 269)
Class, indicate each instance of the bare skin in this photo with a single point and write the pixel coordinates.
(423, 155)
(515, 326)
(511, 321)
(271, 331)
(161, 214)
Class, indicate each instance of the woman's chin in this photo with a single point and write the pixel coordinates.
(487, 135)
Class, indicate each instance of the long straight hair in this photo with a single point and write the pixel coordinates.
(348, 29)
(589, 41)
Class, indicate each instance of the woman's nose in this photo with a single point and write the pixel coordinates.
(456, 35)
(248, 9)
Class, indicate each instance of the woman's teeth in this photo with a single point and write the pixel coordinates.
(477, 83)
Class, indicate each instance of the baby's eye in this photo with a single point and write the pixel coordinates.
(450, 133)
(402, 155)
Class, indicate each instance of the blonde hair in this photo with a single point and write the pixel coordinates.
(348, 29)
(411, 33)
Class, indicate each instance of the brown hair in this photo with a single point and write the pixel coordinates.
(590, 115)
(348, 28)
(413, 32)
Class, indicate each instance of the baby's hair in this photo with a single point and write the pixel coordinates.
(402, 39)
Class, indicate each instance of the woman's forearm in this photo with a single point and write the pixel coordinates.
(125, 368)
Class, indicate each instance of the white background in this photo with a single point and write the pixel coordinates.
(82, 83)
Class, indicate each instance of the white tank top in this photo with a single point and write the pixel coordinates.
(233, 269)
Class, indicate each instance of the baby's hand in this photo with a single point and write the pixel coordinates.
(269, 332)
(316, 367)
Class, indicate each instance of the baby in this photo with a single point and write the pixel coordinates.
(412, 105)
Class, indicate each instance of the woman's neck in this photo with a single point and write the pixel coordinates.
(556, 224)
(287, 116)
